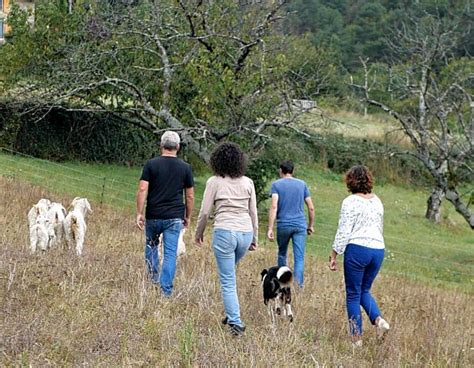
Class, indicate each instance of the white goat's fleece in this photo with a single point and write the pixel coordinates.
(40, 208)
(41, 234)
(181, 244)
(75, 224)
(56, 216)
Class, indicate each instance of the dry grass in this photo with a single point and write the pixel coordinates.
(374, 127)
(99, 310)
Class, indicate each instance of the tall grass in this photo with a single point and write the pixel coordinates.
(416, 249)
(100, 309)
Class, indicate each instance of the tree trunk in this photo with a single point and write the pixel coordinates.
(453, 196)
(433, 212)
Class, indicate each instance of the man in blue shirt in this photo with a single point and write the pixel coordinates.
(289, 195)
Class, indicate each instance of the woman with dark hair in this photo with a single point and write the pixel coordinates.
(230, 197)
(359, 237)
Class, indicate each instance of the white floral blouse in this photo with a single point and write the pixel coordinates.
(361, 223)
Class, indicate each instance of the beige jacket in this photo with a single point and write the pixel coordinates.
(233, 204)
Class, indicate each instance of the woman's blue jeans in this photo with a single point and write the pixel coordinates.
(229, 248)
(298, 236)
(361, 266)
(170, 229)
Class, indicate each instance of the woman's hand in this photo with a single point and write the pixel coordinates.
(199, 242)
(253, 246)
(332, 261)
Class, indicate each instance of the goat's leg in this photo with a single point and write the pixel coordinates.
(79, 244)
(69, 239)
(33, 245)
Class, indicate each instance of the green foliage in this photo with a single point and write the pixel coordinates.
(312, 70)
(338, 153)
(81, 136)
(354, 29)
(262, 170)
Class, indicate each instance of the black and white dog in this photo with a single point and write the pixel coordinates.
(276, 288)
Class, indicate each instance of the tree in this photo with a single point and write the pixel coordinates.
(434, 105)
(211, 69)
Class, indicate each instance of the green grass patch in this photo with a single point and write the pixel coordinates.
(416, 248)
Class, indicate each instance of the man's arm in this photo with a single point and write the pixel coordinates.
(309, 204)
(272, 216)
(141, 197)
(189, 200)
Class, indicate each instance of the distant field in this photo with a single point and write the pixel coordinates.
(375, 127)
(416, 249)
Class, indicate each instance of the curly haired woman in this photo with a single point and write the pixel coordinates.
(359, 237)
(230, 197)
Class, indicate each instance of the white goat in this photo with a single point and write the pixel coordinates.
(181, 244)
(40, 208)
(41, 234)
(56, 215)
(75, 224)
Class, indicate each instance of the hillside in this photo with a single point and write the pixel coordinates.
(416, 249)
(100, 309)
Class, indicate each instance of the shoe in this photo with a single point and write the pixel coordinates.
(357, 344)
(383, 326)
(236, 330)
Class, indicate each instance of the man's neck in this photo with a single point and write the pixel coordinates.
(168, 153)
(286, 176)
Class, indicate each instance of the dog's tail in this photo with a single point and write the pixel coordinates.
(74, 227)
(284, 275)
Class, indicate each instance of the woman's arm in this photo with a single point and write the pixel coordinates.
(253, 214)
(206, 207)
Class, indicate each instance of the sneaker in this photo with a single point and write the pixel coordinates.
(236, 330)
(357, 344)
(383, 326)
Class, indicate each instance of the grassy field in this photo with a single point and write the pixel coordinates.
(416, 249)
(100, 310)
(376, 127)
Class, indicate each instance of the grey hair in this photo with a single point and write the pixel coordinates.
(170, 140)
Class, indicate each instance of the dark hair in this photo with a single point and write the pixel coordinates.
(227, 159)
(359, 179)
(287, 167)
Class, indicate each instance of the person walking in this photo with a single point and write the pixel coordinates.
(230, 197)
(360, 238)
(289, 195)
(162, 183)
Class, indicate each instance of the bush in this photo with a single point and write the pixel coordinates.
(337, 153)
(82, 136)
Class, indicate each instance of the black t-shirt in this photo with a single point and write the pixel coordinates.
(167, 178)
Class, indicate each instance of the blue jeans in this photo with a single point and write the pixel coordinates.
(229, 248)
(361, 266)
(298, 236)
(170, 229)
